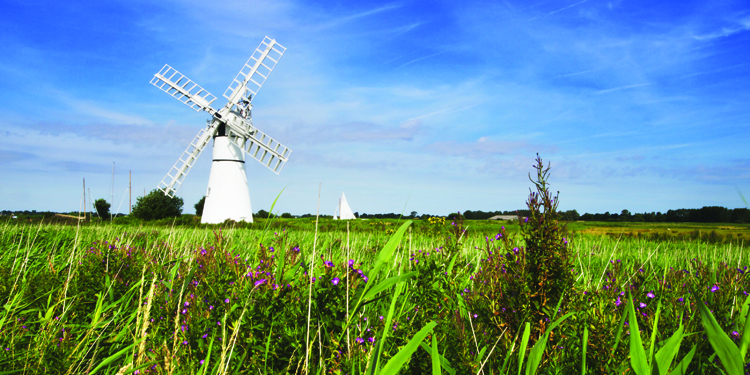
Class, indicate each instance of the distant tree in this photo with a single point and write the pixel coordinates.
(625, 215)
(199, 206)
(712, 214)
(356, 214)
(638, 218)
(413, 214)
(570, 215)
(102, 208)
(740, 215)
(286, 215)
(263, 214)
(156, 205)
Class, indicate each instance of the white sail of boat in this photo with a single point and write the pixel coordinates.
(344, 211)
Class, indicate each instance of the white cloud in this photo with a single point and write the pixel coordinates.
(725, 31)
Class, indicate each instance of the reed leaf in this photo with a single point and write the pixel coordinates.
(435, 355)
(524, 342)
(726, 349)
(114, 357)
(682, 367)
(745, 340)
(638, 358)
(399, 360)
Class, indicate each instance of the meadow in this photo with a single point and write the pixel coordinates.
(374, 297)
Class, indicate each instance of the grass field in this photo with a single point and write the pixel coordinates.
(375, 297)
(179, 300)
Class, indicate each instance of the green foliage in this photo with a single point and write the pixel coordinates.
(199, 206)
(102, 208)
(156, 205)
(520, 284)
(548, 268)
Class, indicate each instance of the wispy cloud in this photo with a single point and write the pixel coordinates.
(93, 109)
(737, 27)
(620, 88)
(137, 135)
(575, 74)
(447, 110)
(357, 132)
(559, 10)
(567, 7)
(346, 19)
(713, 71)
(419, 59)
(485, 147)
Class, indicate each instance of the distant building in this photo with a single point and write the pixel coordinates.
(504, 217)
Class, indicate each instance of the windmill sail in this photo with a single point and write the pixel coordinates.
(183, 89)
(172, 181)
(255, 71)
(233, 134)
(345, 213)
(265, 150)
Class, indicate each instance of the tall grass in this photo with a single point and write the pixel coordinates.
(174, 300)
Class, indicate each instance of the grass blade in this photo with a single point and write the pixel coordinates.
(387, 252)
(654, 331)
(204, 366)
(682, 367)
(535, 356)
(722, 344)
(391, 309)
(109, 360)
(452, 263)
(444, 364)
(745, 340)
(666, 354)
(386, 284)
(522, 349)
(584, 345)
(435, 357)
(619, 333)
(399, 360)
(637, 353)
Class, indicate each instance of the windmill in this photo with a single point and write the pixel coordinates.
(233, 134)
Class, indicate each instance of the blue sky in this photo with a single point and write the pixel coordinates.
(417, 106)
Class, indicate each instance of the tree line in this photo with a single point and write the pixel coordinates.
(706, 214)
(156, 206)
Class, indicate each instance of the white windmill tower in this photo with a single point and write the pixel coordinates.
(233, 133)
